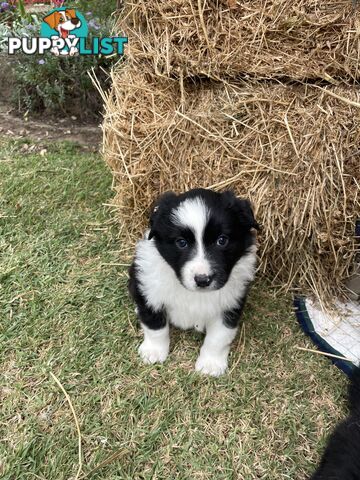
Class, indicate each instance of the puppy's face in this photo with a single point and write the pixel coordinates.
(63, 21)
(202, 234)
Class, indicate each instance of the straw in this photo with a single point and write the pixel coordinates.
(292, 149)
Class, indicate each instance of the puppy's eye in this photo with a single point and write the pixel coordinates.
(61, 20)
(222, 241)
(181, 243)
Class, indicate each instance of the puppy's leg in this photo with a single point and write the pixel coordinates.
(55, 49)
(213, 358)
(155, 347)
(215, 350)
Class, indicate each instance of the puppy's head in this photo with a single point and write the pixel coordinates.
(63, 21)
(202, 234)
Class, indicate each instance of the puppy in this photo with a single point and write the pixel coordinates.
(63, 21)
(192, 269)
(341, 460)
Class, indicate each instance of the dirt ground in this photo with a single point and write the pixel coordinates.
(44, 129)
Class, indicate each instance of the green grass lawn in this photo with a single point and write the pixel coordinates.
(64, 309)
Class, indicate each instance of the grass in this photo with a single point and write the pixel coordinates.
(64, 309)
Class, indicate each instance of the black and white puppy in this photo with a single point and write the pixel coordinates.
(192, 269)
(341, 459)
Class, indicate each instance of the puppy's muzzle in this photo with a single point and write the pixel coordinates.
(203, 281)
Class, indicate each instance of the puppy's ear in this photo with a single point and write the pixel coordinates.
(71, 12)
(163, 203)
(247, 214)
(52, 20)
(243, 209)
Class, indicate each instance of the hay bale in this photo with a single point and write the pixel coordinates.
(292, 150)
(227, 38)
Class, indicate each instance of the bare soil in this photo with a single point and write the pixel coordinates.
(42, 129)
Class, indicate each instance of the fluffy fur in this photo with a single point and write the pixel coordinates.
(341, 459)
(192, 269)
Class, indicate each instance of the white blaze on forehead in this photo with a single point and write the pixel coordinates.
(193, 213)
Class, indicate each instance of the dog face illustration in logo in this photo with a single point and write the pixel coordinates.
(63, 21)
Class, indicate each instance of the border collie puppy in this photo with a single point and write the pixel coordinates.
(192, 269)
(341, 460)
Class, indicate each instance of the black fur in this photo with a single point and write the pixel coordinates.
(151, 318)
(230, 216)
(231, 317)
(341, 459)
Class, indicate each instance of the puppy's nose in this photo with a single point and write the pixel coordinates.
(202, 280)
(75, 21)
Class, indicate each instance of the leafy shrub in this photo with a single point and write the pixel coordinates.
(7, 12)
(59, 84)
(101, 10)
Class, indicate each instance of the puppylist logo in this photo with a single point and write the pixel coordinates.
(64, 31)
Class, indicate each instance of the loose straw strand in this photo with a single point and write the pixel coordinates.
(326, 354)
(76, 423)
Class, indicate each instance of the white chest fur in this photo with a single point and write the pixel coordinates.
(189, 309)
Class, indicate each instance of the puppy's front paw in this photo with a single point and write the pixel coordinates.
(153, 353)
(211, 365)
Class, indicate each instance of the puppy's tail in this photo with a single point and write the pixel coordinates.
(354, 391)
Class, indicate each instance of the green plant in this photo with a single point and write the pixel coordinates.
(7, 13)
(21, 8)
(101, 10)
(58, 83)
(18, 27)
